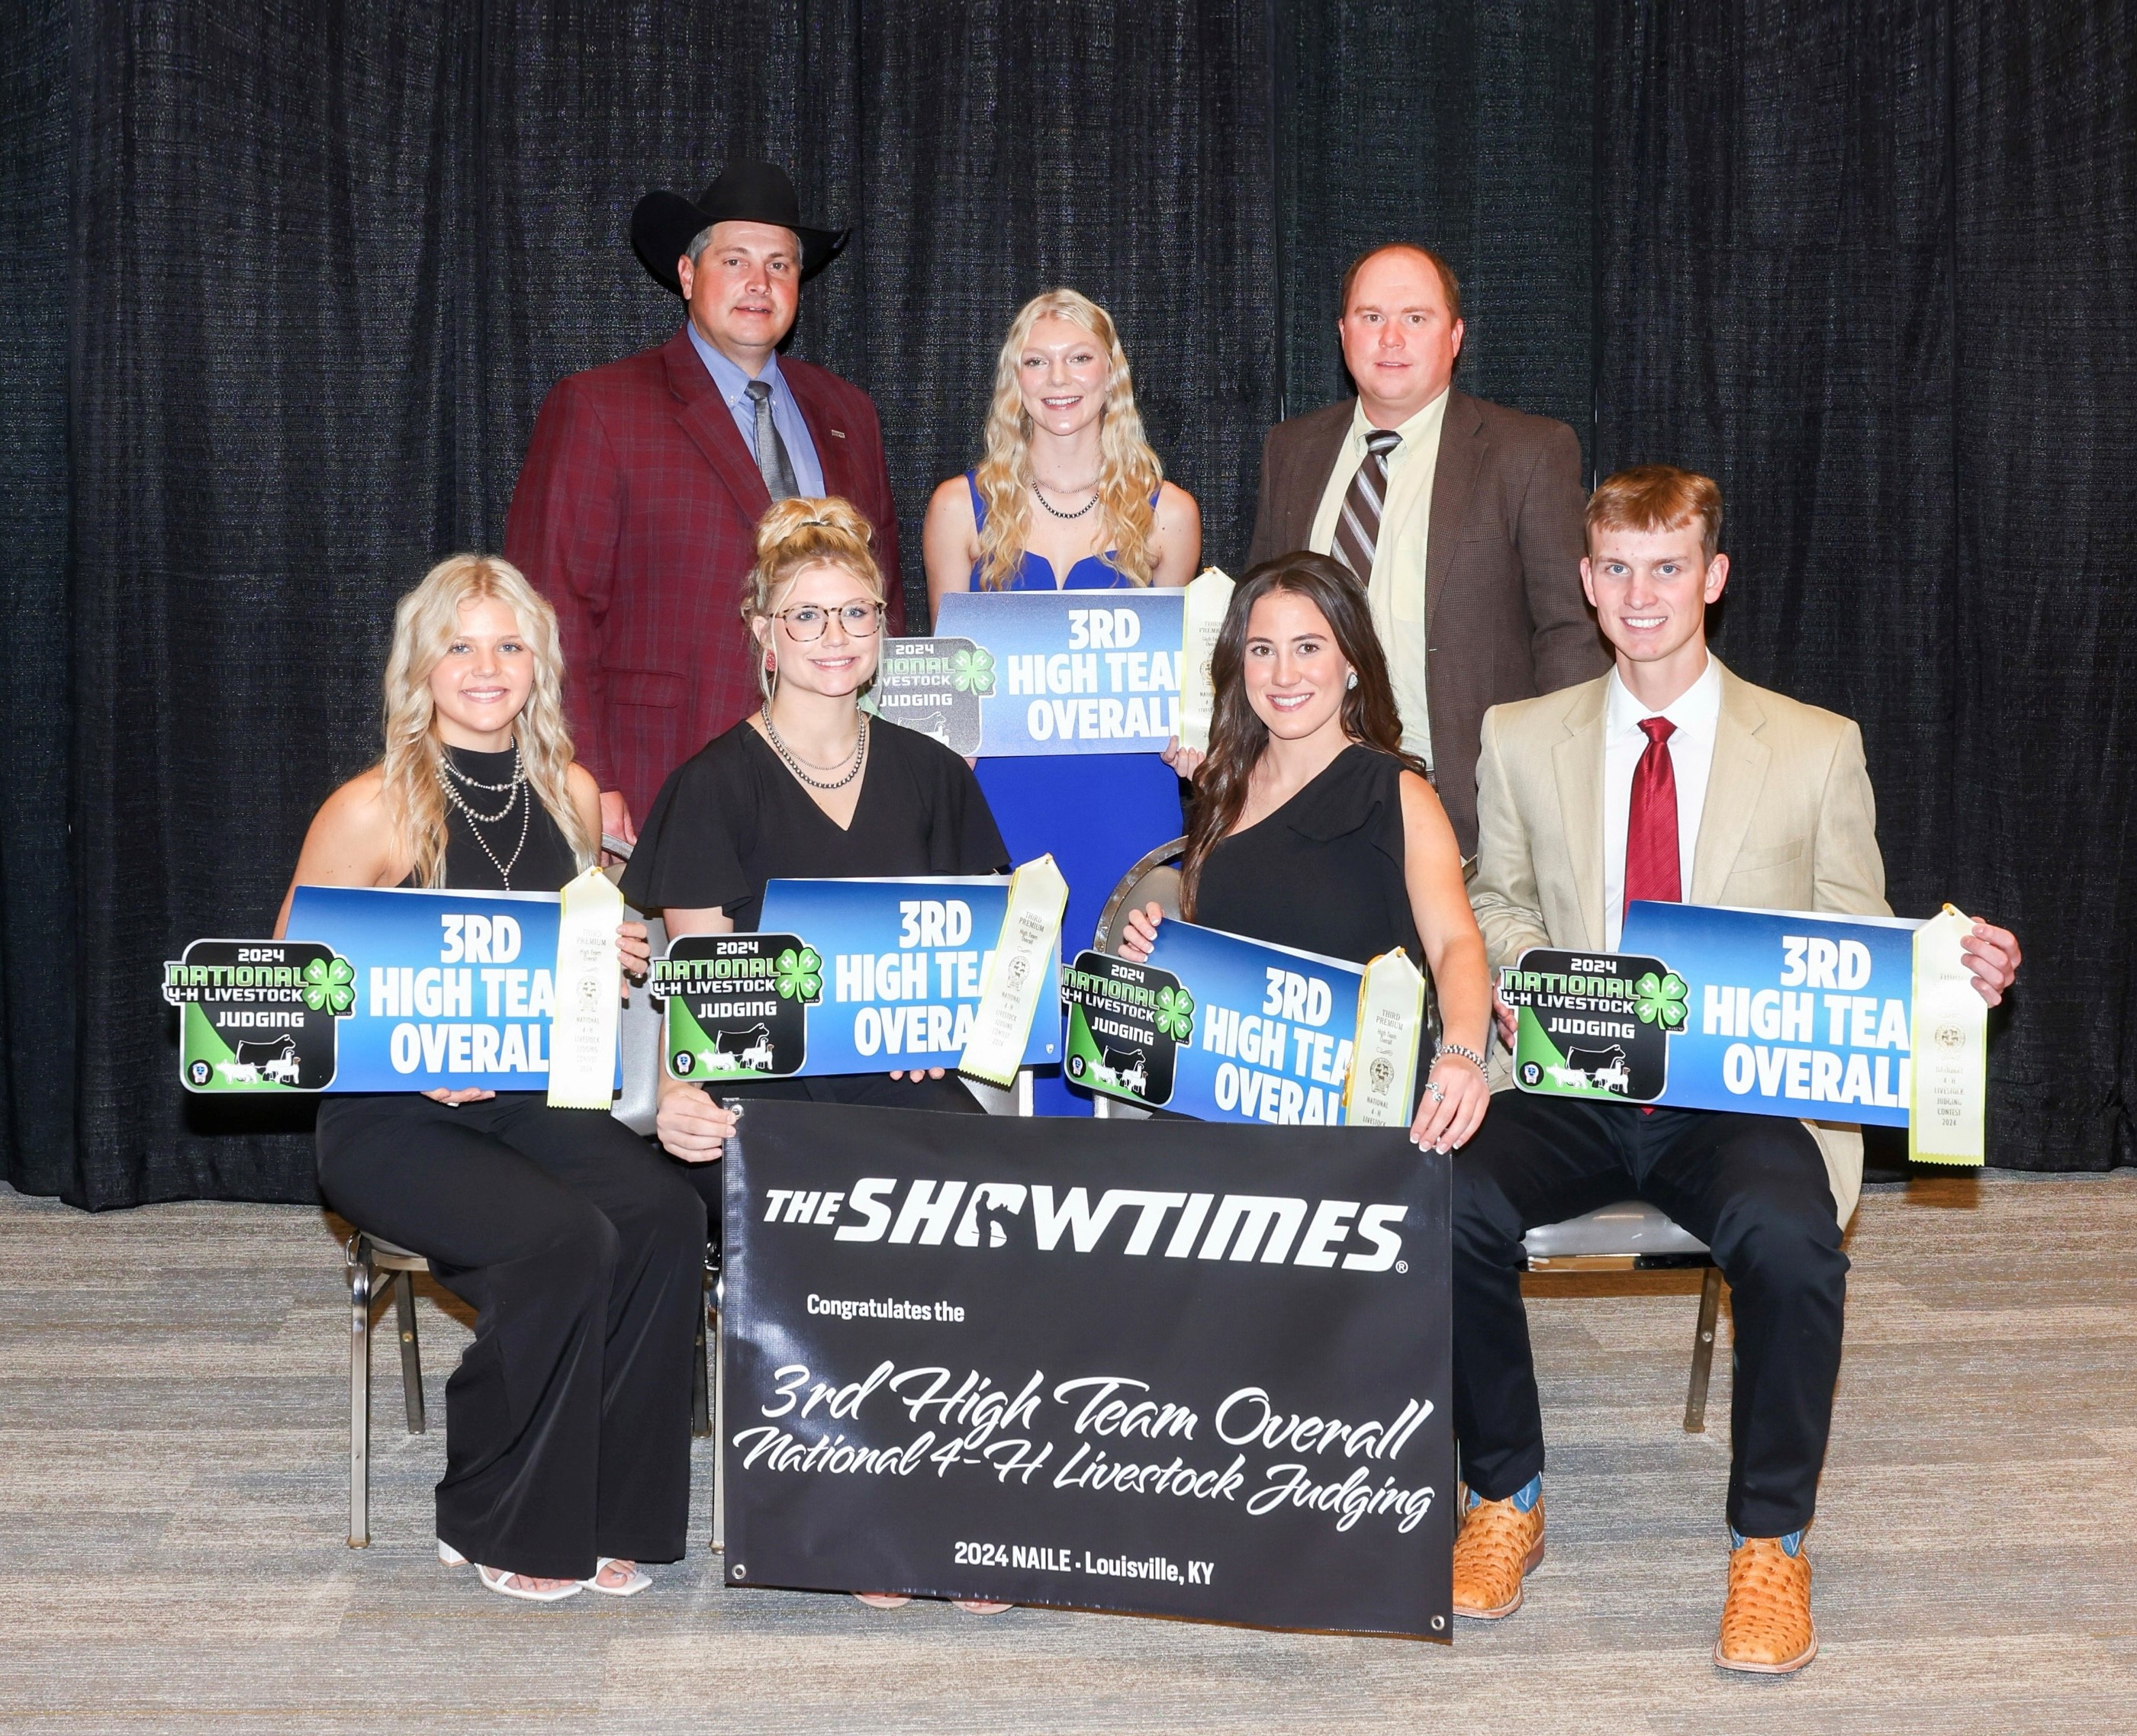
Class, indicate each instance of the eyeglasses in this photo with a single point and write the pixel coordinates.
(807, 621)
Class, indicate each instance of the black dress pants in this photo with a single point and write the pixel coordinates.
(945, 1095)
(1753, 1188)
(568, 1421)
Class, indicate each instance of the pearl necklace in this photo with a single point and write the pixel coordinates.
(518, 787)
(795, 764)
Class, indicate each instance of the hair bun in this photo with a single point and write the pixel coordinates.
(784, 520)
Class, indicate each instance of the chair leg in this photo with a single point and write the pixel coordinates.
(1702, 1352)
(701, 1405)
(359, 1399)
(720, 1426)
(411, 1352)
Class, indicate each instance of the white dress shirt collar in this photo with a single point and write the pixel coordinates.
(1696, 712)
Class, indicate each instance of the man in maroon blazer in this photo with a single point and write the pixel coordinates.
(636, 510)
(1462, 518)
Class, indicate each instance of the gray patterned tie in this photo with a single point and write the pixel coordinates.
(1358, 527)
(771, 460)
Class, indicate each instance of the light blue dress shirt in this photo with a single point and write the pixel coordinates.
(732, 384)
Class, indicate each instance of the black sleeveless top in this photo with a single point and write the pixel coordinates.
(522, 850)
(1324, 872)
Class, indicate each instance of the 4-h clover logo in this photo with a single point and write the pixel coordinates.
(1176, 1014)
(1661, 1000)
(330, 983)
(800, 975)
(973, 671)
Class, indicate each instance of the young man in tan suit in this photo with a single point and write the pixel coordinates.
(1669, 778)
(1462, 517)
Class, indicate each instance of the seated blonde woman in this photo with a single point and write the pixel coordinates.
(568, 1421)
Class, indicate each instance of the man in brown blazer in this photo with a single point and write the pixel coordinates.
(1670, 779)
(1463, 518)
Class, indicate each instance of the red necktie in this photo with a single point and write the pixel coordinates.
(1651, 860)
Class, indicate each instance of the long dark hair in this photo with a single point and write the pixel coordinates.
(1238, 737)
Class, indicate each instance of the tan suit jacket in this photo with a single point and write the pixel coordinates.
(1504, 612)
(1789, 823)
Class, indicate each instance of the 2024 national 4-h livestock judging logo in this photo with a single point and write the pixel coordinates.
(935, 686)
(1125, 1025)
(1594, 1025)
(259, 1015)
(737, 1004)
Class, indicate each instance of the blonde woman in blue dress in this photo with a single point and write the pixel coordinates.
(1068, 496)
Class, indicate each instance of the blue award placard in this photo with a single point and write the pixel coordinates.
(451, 989)
(1257, 1032)
(901, 964)
(1050, 671)
(1780, 1013)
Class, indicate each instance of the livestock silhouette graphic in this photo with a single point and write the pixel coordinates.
(931, 723)
(1598, 1069)
(1122, 1069)
(755, 1055)
(270, 1058)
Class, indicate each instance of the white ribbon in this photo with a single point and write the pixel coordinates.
(589, 993)
(1019, 975)
(1208, 597)
(1383, 1075)
(1947, 1108)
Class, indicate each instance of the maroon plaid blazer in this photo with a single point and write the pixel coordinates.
(636, 516)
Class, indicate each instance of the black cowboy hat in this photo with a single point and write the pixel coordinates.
(665, 224)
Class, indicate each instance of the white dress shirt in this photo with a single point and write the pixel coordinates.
(1696, 712)
(1397, 588)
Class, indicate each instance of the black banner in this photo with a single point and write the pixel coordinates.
(1165, 1367)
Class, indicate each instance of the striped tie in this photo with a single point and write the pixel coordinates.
(1359, 527)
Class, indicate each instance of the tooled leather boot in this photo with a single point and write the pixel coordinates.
(1765, 1625)
(1499, 1545)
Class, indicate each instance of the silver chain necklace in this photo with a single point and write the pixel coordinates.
(1038, 495)
(518, 787)
(794, 765)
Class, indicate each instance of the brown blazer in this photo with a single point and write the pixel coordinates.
(1503, 600)
(1789, 823)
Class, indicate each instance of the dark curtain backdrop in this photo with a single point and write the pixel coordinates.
(282, 286)
(1874, 267)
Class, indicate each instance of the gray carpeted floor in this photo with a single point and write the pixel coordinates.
(172, 1426)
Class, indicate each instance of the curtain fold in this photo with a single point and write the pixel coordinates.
(282, 287)
(38, 1005)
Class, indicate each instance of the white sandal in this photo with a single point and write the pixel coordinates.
(501, 1583)
(630, 1587)
(499, 1580)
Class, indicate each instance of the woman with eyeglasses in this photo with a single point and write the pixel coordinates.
(808, 786)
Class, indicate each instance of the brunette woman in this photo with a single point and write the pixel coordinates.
(1313, 829)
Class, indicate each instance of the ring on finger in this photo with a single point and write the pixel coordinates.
(1435, 1091)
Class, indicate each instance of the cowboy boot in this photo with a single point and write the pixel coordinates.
(1499, 1543)
(1765, 1625)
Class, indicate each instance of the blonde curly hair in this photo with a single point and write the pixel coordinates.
(425, 625)
(1129, 471)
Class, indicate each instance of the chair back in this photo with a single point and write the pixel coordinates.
(1155, 878)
